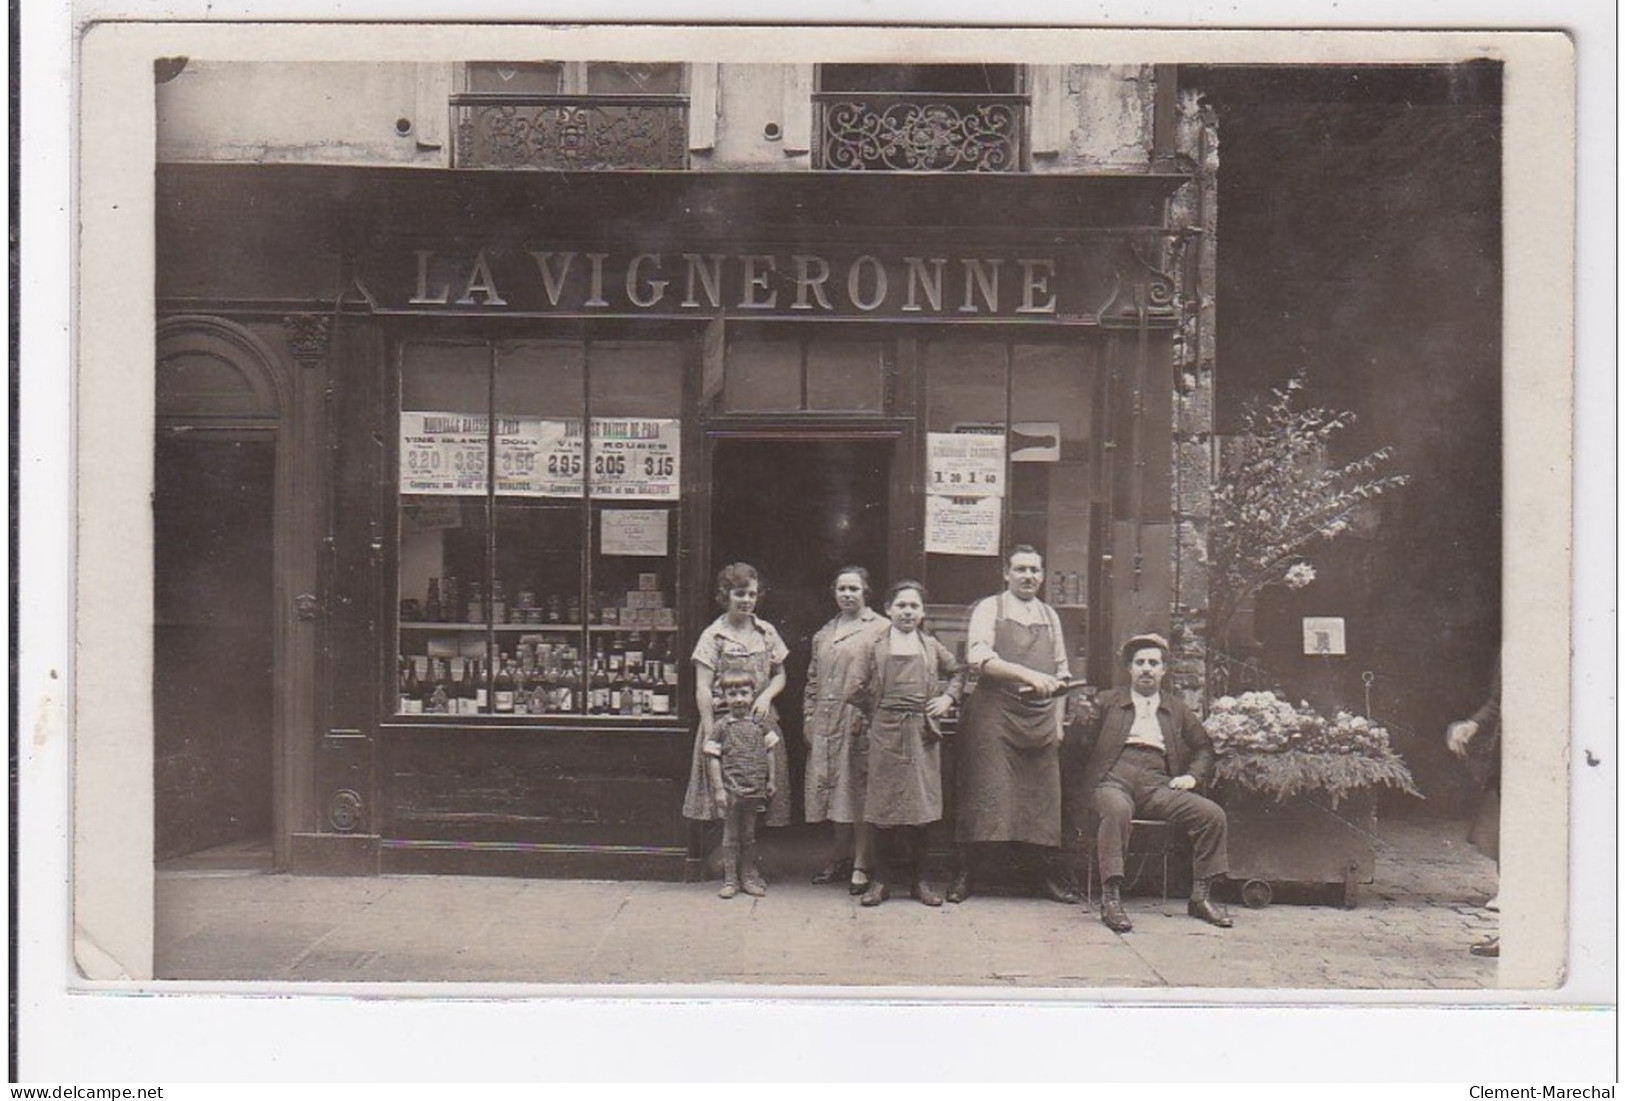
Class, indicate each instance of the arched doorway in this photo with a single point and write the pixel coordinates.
(215, 644)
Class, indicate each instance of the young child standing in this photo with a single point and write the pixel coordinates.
(739, 765)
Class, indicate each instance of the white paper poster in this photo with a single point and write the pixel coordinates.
(635, 458)
(634, 531)
(632, 458)
(962, 525)
(964, 464)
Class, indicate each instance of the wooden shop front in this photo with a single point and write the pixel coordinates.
(516, 421)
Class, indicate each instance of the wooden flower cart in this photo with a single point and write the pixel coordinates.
(1300, 791)
(1301, 840)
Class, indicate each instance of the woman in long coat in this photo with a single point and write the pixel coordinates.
(909, 682)
(837, 746)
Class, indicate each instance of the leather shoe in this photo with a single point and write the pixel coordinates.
(1113, 916)
(858, 883)
(1487, 949)
(1057, 890)
(1210, 912)
(959, 889)
(877, 893)
(925, 893)
(834, 870)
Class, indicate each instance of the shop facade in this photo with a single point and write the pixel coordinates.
(484, 435)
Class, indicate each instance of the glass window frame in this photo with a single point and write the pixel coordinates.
(495, 507)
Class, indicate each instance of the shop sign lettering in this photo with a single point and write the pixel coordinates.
(709, 283)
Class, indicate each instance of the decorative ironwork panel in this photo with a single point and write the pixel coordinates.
(571, 132)
(937, 132)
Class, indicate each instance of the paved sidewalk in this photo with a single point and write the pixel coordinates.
(1410, 931)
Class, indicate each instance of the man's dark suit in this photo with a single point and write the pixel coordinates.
(1124, 780)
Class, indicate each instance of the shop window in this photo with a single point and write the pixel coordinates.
(1037, 401)
(551, 592)
(921, 118)
(571, 115)
(805, 375)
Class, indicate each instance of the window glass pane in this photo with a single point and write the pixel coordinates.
(637, 379)
(849, 376)
(535, 77)
(540, 378)
(763, 376)
(634, 78)
(964, 386)
(1052, 487)
(444, 378)
(634, 660)
(443, 658)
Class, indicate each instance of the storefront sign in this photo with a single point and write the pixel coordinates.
(964, 464)
(628, 531)
(962, 525)
(1073, 283)
(632, 458)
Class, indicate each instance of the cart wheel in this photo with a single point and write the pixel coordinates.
(1256, 893)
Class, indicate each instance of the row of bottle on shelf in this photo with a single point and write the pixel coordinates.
(449, 600)
(543, 679)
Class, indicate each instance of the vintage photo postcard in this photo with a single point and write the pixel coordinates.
(713, 511)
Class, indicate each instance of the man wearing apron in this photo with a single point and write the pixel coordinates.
(1008, 754)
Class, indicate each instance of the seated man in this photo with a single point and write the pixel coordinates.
(1149, 754)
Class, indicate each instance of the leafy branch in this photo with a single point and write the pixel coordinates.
(1276, 496)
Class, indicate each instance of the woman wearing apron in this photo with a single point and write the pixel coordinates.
(1008, 750)
(909, 682)
(837, 750)
(738, 640)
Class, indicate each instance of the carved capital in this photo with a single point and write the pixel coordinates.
(308, 337)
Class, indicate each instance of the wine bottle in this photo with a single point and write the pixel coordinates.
(407, 679)
(433, 611)
(502, 688)
(439, 699)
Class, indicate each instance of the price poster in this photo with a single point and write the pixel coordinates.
(634, 531)
(632, 458)
(964, 464)
(635, 458)
(443, 453)
(962, 525)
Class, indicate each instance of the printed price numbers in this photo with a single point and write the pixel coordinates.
(611, 465)
(564, 463)
(659, 466)
(967, 479)
(429, 460)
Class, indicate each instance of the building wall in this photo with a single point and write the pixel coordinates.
(1084, 118)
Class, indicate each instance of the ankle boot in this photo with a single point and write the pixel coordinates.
(730, 871)
(1203, 907)
(752, 881)
(1112, 913)
(921, 889)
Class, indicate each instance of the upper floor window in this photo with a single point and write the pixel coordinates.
(925, 118)
(571, 115)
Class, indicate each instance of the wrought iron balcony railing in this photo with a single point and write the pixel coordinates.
(921, 131)
(590, 132)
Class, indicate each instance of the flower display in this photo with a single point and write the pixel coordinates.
(1278, 494)
(1298, 575)
(1265, 744)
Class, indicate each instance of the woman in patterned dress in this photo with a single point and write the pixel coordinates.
(834, 730)
(738, 640)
